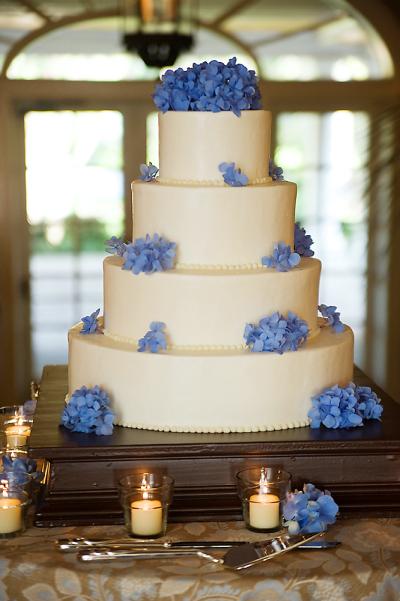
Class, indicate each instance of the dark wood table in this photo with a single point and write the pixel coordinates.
(360, 466)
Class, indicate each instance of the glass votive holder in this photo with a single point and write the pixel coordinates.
(262, 491)
(13, 510)
(17, 432)
(145, 499)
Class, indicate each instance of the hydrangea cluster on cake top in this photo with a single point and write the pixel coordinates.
(332, 317)
(88, 410)
(282, 258)
(309, 511)
(344, 407)
(232, 176)
(209, 86)
(276, 333)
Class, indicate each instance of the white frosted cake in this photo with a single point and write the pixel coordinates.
(208, 379)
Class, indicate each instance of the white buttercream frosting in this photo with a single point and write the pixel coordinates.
(206, 308)
(210, 392)
(216, 226)
(192, 144)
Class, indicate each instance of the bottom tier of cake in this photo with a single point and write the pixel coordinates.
(225, 391)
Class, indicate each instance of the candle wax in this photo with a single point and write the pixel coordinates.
(264, 511)
(10, 515)
(17, 435)
(146, 517)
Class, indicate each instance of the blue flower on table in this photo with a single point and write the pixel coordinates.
(155, 339)
(21, 466)
(309, 511)
(149, 254)
(275, 172)
(91, 323)
(276, 333)
(332, 317)
(369, 405)
(282, 258)
(302, 241)
(209, 86)
(232, 176)
(335, 407)
(88, 410)
(115, 246)
(148, 172)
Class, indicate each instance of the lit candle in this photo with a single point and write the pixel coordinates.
(10, 511)
(264, 511)
(146, 514)
(17, 434)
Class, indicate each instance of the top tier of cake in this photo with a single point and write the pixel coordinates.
(193, 144)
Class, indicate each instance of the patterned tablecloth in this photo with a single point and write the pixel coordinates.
(366, 566)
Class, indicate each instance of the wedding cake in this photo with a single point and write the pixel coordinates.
(213, 289)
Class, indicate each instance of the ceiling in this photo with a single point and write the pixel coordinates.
(259, 27)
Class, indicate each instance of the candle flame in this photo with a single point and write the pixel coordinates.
(145, 487)
(263, 482)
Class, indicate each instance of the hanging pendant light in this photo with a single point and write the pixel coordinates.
(163, 29)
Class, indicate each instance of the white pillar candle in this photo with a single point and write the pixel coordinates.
(264, 511)
(17, 435)
(146, 517)
(10, 515)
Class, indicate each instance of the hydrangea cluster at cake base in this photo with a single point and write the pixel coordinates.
(276, 333)
(309, 511)
(344, 407)
(19, 468)
(209, 86)
(88, 410)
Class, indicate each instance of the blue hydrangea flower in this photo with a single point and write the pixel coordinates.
(369, 405)
(335, 407)
(309, 511)
(91, 323)
(154, 340)
(275, 172)
(21, 466)
(149, 254)
(148, 172)
(282, 258)
(209, 86)
(88, 410)
(115, 246)
(332, 317)
(232, 176)
(276, 333)
(302, 241)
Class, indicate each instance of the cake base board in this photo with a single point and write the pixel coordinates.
(360, 467)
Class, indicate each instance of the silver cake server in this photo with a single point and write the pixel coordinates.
(239, 557)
